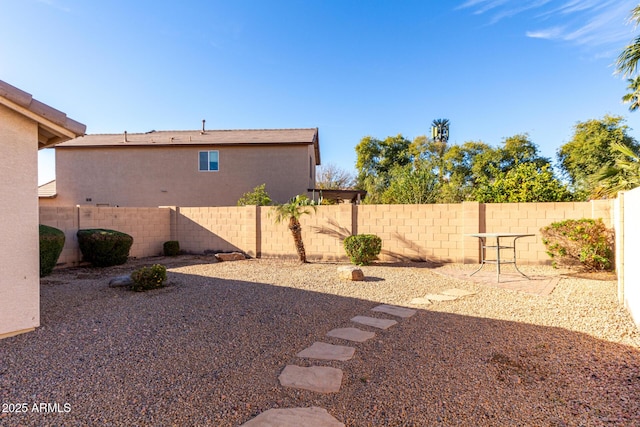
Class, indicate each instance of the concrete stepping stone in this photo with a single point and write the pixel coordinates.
(421, 301)
(324, 351)
(395, 310)
(351, 334)
(372, 321)
(294, 417)
(455, 292)
(322, 379)
(440, 297)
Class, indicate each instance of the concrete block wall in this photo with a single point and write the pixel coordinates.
(409, 232)
(219, 229)
(149, 227)
(628, 247)
(415, 232)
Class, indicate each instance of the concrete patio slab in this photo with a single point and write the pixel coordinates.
(324, 351)
(395, 310)
(534, 284)
(351, 334)
(294, 417)
(322, 379)
(375, 322)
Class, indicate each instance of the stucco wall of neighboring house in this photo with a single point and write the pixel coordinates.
(19, 263)
(169, 176)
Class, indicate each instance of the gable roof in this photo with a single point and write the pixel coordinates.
(53, 126)
(47, 190)
(199, 137)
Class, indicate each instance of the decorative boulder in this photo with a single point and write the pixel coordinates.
(349, 272)
(233, 256)
(120, 281)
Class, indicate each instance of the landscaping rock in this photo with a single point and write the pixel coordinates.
(233, 256)
(120, 281)
(349, 272)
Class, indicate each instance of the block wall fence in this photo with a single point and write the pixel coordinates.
(436, 232)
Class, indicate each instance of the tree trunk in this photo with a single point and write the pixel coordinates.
(296, 231)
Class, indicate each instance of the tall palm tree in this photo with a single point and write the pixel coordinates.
(292, 211)
(627, 62)
(633, 97)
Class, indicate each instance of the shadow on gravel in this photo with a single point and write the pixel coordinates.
(207, 351)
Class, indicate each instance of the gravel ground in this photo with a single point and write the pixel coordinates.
(207, 349)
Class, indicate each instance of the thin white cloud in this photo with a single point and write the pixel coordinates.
(588, 23)
(548, 33)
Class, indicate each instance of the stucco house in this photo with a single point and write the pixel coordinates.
(26, 125)
(183, 168)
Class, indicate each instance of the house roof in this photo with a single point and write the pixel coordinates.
(53, 126)
(200, 137)
(48, 190)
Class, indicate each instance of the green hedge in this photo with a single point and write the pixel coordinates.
(103, 248)
(171, 248)
(585, 243)
(51, 244)
(362, 248)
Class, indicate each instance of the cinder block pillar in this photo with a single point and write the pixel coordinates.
(473, 221)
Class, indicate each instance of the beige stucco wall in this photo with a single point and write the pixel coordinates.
(19, 261)
(169, 176)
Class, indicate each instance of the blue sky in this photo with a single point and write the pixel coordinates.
(494, 68)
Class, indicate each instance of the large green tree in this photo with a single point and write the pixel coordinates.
(411, 184)
(375, 160)
(525, 182)
(589, 150)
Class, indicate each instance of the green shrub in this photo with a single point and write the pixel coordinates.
(362, 248)
(51, 244)
(256, 197)
(584, 243)
(147, 278)
(171, 248)
(103, 248)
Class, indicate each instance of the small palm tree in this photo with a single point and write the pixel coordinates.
(633, 97)
(292, 211)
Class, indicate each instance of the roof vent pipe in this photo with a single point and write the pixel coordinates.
(125, 136)
(203, 121)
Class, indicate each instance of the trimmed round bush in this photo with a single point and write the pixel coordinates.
(147, 278)
(362, 248)
(171, 248)
(104, 248)
(51, 244)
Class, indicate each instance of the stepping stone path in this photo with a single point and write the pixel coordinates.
(351, 334)
(374, 321)
(325, 379)
(322, 379)
(294, 417)
(446, 295)
(323, 351)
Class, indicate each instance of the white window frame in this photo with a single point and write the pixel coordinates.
(208, 153)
